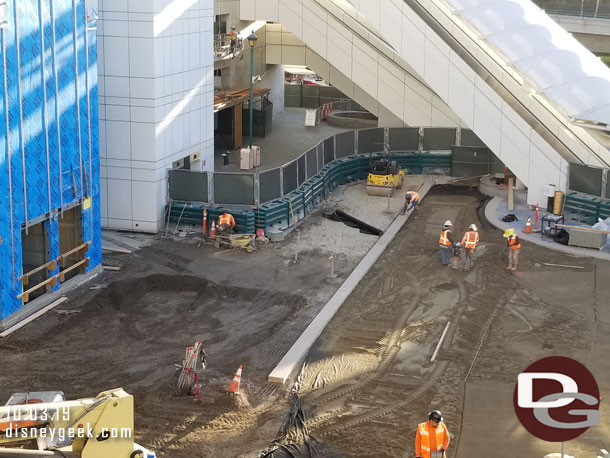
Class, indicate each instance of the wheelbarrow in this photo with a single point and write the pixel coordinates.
(238, 241)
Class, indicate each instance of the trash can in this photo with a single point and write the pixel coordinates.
(225, 158)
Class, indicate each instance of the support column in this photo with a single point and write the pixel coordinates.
(51, 227)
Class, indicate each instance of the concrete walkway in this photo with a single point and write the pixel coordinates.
(288, 139)
(497, 208)
(300, 348)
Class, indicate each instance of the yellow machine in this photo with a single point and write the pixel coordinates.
(238, 241)
(384, 176)
(100, 427)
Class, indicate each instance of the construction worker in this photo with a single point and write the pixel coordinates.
(226, 223)
(432, 437)
(513, 244)
(233, 42)
(470, 242)
(411, 201)
(445, 243)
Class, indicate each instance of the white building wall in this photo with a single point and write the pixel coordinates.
(422, 55)
(156, 102)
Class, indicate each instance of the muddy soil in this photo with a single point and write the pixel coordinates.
(369, 378)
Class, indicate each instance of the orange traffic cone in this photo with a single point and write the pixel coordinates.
(528, 226)
(234, 386)
(212, 235)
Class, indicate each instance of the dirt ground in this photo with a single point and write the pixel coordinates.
(368, 380)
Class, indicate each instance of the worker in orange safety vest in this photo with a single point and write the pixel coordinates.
(432, 437)
(445, 243)
(514, 245)
(226, 223)
(470, 242)
(411, 201)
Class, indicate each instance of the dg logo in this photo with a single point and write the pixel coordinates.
(556, 399)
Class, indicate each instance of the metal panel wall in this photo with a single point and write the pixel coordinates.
(469, 138)
(370, 140)
(438, 138)
(188, 186)
(344, 144)
(270, 185)
(586, 179)
(312, 162)
(234, 188)
(290, 177)
(301, 170)
(404, 138)
(49, 156)
(329, 150)
(470, 161)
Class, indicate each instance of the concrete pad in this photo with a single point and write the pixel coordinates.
(296, 353)
(490, 420)
(496, 209)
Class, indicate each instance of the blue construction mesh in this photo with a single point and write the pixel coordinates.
(52, 140)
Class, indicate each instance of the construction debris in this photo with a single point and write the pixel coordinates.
(67, 312)
(563, 265)
(113, 268)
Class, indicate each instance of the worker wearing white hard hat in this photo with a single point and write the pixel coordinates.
(432, 437)
(470, 242)
(445, 243)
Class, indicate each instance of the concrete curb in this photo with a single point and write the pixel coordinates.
(491, 216)
(298, 350)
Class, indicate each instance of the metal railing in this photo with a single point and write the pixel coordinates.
(582, 8)
(223, 48)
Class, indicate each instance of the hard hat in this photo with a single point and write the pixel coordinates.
(509, 233)
(473, 227)
(435, 415)
(448, 223)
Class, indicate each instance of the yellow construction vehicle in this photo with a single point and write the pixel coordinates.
(385, 175)
(100, 427)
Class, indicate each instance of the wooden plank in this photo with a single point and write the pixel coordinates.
(26, 294)
(51, 265)
(31, 318)
(84, 263)
(586, 229)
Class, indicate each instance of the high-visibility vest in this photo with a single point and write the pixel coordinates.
(470, 240)
(422, 439)
(444, 240)
(226, 218)
(513, 243)
(414, 196)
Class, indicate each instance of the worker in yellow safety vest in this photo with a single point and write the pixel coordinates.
(514, 245)
(445, 243)
(411, 201)
(470, 242)
(432, 437)
(226, 223)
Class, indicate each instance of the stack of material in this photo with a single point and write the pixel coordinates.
(187, 379)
